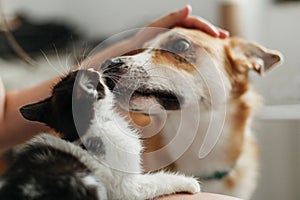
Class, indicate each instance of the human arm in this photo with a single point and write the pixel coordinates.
(14, 129)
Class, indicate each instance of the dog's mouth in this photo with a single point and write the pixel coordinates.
(141, 98)
(167, 99)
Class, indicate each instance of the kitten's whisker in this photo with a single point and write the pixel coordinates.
(58, 59)
(67, 64)
(50, 64)
(108, 68)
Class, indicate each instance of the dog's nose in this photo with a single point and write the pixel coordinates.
(112, 64)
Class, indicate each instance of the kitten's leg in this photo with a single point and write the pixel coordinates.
(149, 186)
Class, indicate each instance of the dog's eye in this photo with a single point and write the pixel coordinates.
(178, 46)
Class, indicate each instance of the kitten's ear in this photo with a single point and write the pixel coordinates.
(37, 111)
(88, 85)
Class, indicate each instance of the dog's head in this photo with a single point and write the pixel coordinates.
(183, 66)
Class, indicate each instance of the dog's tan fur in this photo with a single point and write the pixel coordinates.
(236, 148)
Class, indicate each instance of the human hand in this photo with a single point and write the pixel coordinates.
(184, 18)
(181, 18)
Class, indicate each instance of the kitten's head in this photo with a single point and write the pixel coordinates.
(71, 108)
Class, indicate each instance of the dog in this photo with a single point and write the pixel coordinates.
(191, 95)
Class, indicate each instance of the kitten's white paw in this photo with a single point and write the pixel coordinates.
(150, 186)
(190, 185)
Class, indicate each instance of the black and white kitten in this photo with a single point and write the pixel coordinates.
(47, 167)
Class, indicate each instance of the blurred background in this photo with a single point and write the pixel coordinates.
(82, 24)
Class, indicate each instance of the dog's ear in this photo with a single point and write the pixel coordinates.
(37, 111)
(87, 85)
(245, 56)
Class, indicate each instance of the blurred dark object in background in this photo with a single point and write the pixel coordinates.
(36, 38)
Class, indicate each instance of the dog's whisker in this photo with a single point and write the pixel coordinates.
(108, 68)
(137, 77)
(114, 79)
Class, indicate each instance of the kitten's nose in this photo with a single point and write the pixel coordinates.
(112, 65)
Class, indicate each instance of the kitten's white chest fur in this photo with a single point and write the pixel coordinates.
(121, 163)
(122, 147)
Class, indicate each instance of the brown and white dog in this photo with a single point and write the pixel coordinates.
(202, 124)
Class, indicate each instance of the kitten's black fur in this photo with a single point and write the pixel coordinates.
(67, 105)
(55, 177)
(41, 172)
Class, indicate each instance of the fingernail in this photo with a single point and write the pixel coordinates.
(224, 34)
(216, 31)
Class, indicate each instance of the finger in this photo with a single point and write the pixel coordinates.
(172, 19)
(223, 33)
(201, 24)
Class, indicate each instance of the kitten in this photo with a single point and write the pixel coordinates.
(81, 105)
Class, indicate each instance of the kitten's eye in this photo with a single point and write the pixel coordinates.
(178, 46)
